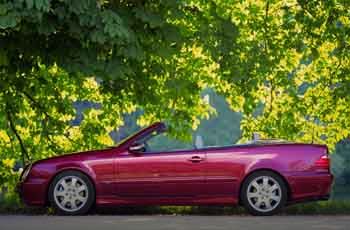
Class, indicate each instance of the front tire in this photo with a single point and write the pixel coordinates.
(264, 193)
(71, 193)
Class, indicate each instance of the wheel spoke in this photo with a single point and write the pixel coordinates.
(258, 202)
(252, 194)
(70, 193)
(273, 188)
(73, 204)
(81, 198)
(264, 193)
(60, 193)
(64, 201)
(64, 184)
(256, 185)
(267, 204)
(265, 182)
(74, 182)
(81, 188)
(275, 198)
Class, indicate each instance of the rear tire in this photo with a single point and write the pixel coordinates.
(71, 193)
(264, 193)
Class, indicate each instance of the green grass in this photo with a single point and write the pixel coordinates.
(338, 205)
(332, 207)
(341, 192)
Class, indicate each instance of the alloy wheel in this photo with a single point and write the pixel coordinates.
(264, 193)
(70, 193)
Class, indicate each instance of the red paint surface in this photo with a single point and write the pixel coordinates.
(197, 177)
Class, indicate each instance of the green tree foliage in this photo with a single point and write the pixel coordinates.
(51, 53)
(292, 57)
(121, 55)
(283, 64)
(223, 128)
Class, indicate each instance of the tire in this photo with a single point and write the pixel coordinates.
(261, 198)
(71, 193)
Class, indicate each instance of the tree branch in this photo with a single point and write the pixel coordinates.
(266, 27)
(40, 107)
(14, 130)
(271, 95)
(47, 117)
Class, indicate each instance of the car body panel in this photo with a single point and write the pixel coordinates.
(159, 174)
(122, 177)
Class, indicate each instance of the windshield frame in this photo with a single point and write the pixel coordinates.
(158, 126)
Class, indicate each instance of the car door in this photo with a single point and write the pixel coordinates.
(223, 169)
(160, 172)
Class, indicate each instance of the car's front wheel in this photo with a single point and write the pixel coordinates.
(264, 193)
(71, 193)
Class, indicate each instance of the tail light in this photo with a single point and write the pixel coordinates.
(323, 163)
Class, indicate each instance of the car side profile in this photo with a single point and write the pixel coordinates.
(143, 170)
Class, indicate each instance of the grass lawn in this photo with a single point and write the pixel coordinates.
(338, 204)
(331, 207)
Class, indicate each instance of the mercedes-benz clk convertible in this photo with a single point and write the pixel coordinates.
(263, 176)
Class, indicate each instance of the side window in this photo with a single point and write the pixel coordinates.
(164, 143)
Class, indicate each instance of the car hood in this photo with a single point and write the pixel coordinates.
(75, 155)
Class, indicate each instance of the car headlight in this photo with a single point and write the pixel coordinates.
(25, 172)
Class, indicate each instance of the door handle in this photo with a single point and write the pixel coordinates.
(196, 159)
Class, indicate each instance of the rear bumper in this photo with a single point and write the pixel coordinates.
(313, 186)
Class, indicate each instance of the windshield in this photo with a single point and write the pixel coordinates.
(130, 136)
(160, 128)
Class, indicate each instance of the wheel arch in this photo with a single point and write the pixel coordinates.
(63, 170)
(259, 170)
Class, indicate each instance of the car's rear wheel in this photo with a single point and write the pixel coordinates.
(264, 193)
(71, 193)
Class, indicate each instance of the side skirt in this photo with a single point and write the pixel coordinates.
(114, 201)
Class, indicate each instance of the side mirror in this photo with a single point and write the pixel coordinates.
(137, 147)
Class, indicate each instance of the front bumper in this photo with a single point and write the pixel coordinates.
(19, 189)
(31, 193)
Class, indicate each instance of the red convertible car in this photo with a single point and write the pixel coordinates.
(262, 176)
